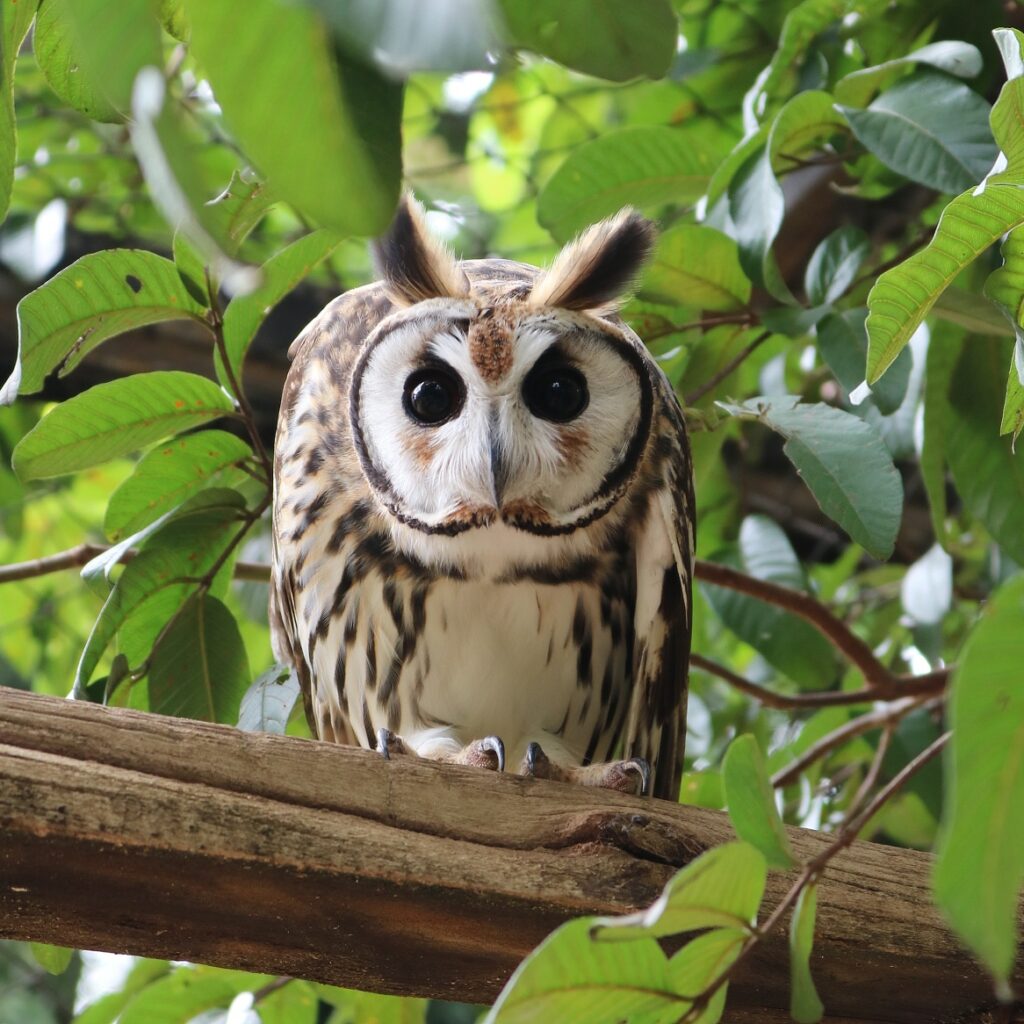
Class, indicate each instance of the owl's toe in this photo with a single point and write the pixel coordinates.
(630, 776)
(388, 743)
(486, 753)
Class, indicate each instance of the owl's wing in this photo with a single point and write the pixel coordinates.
(662, 618)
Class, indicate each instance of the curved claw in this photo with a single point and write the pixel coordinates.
(644, 769)
(385, 737)
(536, 763)
(497, 748)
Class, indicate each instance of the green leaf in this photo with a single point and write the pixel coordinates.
(980, 865)
(53, 959)
(902, 296)
(606, 38)
(90, 59)
(1005, 286)
(697, 266)
(931, 129)
(722, 888)
(183, 550)
(843, 344)
(97, 297)
(201, 669)
(168, 475)
(950, 55)
(988, 474)
(833, 265)
(242, 205)
(804, 1005)
(106, 1009)
(643, 165)
(572, 979)
(267, 704)
(323, 128)
(792, 646)
(844, 462)
(751, 802)
(179, 997)
(975, 312)
(14, 23)
(943, 353)
(700, 963)
(116, 418)
(280, 274)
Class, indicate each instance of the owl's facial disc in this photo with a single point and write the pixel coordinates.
(464, 416)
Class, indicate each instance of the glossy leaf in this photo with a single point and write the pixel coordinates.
(931, 129)
(53, 959)
(644, 165)
(833, 265)
(200, 670)
(182, 551)
(751, 802)
(241, 206)
(700, 963)
(97, 297)
(697, 266)
(845, 464)
(116, 418)
(980, 864)
(612, 40)
(722, 888)
(902, 297)
(804, 1005)
(575, 980)
(168, 475)
(268, 702)
(14, 23)
(1005, 286)
(179, 997)
(280, 274)
(323, 129)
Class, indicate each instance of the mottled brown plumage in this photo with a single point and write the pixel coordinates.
(456, 560)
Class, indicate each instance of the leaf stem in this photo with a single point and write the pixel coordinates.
(694, 396)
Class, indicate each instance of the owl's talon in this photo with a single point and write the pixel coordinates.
(643, 768)
(388, 743)
(494, 744)
(488, 752)
(536, 763)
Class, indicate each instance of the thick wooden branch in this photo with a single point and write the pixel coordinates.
(136, 833)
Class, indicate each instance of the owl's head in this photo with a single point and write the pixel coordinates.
(503, 394)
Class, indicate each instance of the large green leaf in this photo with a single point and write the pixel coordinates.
(573, 979)
(844, 462)
(321, 126)
(833, 265)
(788, 643)
(989, 475)
(980, 863)
(14, 22)
(751, 802)
(950, 55)
(201, 669)
(605, 38)
(931, 129)
(1005, 287)
(168, 475)
(722, 888)
(268, 702)
(804, 1005)
(643, 165)
(179, 997)
(97, 297)
(903, 296)
(697, 266)
(182, 551)
(701, 962)
(116, 418)
(943, 353)
(280, 274)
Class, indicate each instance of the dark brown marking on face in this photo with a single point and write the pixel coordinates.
(471, 516)
(490, 342)
(525, 515)
(573, 445)
(419, 443)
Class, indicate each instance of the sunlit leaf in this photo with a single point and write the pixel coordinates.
(180, 996)
(14, 22)
(605, 38)
(268, 702)
(845, 464)
(804, 1005)
(97, 297)
(943, 352)
(116, 418)
(322, 127)
(722, 888)
(53, 959)
(701, 962)
(751, 802)
(980, 863)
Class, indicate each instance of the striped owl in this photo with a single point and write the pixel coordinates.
(483, 516)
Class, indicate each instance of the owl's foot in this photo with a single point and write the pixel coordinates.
(486, 753)
(388, 743)
(630, 776)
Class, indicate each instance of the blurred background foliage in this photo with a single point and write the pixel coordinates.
(785, 176)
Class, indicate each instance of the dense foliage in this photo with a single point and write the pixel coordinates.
(837, 295)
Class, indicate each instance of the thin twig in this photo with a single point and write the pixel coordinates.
(874, 770)
(270, 988)
(693, 397)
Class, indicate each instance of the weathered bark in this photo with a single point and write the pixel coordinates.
(156, 836)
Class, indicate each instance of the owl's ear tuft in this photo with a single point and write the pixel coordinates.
(415, 265)
(592, 272)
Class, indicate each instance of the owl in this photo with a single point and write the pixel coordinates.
(483, 516)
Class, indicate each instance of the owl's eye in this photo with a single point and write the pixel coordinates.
(432, 396)
(556, 393)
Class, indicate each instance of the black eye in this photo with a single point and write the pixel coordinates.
(556, 393)
(433, 396)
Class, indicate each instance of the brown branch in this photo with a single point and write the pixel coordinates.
(129, 846)
(693, 397)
